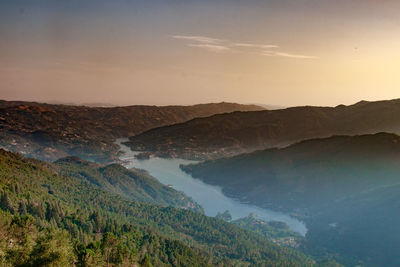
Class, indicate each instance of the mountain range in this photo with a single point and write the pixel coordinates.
(50, 132)
(238, 132)
(334, 168)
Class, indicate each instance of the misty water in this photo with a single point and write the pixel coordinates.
(210, 197)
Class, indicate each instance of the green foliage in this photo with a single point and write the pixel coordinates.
(52, 248)
(130, 184)
(72, 220)
(226, 216)
(278, 232)
(5, 203)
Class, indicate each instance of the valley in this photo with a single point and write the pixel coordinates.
(210, 197)
(171, 133)
(49, 132)
(45, 212)
(308, 201)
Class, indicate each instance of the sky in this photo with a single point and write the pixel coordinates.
(125, 52)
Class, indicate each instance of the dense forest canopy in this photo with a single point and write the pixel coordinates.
(51, 218)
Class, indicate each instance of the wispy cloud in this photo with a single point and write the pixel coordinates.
(288, 55)
(212, 47)
(199, 39)
(249, 45)
(217, 45)
(220, 45)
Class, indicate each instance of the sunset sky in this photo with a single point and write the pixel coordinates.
(278, 52)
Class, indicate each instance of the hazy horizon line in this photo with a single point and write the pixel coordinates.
(111, 105)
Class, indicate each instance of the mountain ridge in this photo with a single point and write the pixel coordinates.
(131, 184)
(354, 153)
(223, 135)
(345, 188)
(49, 132)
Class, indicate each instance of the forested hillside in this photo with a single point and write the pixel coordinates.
(346, 189)
(230, 134)
(49, 218)
(309, 174)
(131, 184)
(49, 132)
(361, 229)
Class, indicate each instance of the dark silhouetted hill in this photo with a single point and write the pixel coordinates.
(346, 189)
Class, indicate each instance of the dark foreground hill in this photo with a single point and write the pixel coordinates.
(50, 132)
(238, 132)
(346, 188)
(48, 218)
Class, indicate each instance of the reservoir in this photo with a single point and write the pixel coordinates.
(210, 197)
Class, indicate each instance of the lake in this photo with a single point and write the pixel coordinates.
(210, 197)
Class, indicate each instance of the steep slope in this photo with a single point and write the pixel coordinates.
(104, 227)
(278, 232)
(130, 184)
(50, 132)
(238, 132)
(361, 229)
(307, 174)
(346, 189)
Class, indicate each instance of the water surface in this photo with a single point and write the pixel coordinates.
(210, 197)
